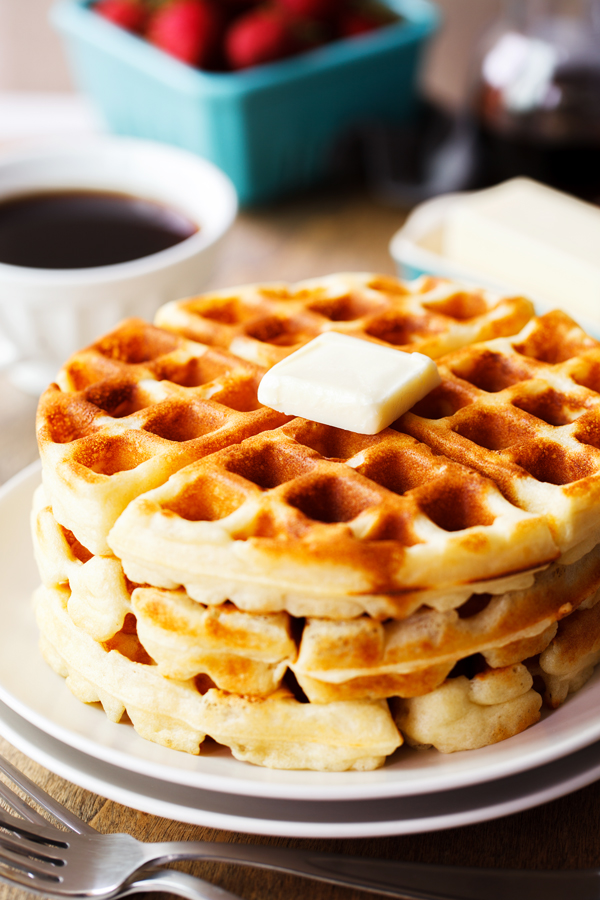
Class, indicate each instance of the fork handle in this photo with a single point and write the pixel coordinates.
(411, 881)
(172, 881)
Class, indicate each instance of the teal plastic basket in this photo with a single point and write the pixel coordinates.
(272, 128)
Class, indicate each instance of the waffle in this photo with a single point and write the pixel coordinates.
(212, 567)
(100, 598)
(234, 650)
(265, 322)
(130, 410)
(340, 659)
(386, 516)
(276, 731)
(456, 715)
(466, 714)
(569, 660)
(368, 659)
(525, 412)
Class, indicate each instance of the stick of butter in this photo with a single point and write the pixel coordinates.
(348, 383)
(535, 238)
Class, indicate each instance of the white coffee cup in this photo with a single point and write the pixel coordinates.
(47, 314)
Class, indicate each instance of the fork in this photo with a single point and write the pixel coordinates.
(152, 879)
(85, 863)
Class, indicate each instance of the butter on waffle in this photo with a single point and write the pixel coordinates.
(198, 550)
(266, 322)
(276, 731)
(129, 411)
(525, 411)
(319, 509)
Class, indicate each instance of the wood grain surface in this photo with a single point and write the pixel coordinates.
(313, 236)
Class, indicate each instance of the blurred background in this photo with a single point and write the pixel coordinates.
(32, 58)
(505, 88)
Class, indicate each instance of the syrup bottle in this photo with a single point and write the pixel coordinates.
(536, 95)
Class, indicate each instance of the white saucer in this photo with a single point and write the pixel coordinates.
(304, 818)
(38, 695)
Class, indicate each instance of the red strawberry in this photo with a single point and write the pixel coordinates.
(187, 29)
(320, 10)
(259, 36)
(129, 14)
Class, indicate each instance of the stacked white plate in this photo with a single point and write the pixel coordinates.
(413, 792)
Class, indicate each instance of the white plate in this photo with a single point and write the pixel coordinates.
(37, 694)
(305, 818)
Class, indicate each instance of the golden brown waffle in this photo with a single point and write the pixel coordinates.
(317, 508)
(465, 714)
(276, 731)
(569, 661)
(236, 651)
(239, 652)
(265, 322)
(211, 551)
(339, 659)
(132, 409)
(362, 658)
(525, 411)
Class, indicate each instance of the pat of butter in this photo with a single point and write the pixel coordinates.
(347, 382)
(535, 238)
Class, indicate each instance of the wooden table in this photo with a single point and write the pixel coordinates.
(314, 236)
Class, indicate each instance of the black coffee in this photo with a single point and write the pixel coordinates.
(80, 229)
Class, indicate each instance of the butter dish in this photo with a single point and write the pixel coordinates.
(519, 236)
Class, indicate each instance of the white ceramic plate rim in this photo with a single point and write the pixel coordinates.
(276, 817)
(54, 710)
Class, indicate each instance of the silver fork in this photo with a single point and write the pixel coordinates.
(152, 879)
(84, 863)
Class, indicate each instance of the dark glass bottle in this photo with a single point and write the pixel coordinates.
(536, 95)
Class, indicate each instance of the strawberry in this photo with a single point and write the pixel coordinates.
(129, 14)
(259, 36)
(190, 30)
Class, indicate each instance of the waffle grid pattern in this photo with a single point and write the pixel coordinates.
(525, 412)
(266, 322)
(306, 596)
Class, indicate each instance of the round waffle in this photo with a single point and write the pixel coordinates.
(276, 731)
(360, 514)
(213, 567)
(332, 659)
(266, 322)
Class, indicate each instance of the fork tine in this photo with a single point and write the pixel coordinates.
(47, 844)
(33, 849)
(42, 798)
(18, 805)
(14, 877)
(46, 833)
(35, 868)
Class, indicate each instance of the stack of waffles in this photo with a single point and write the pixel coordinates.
(307, 596)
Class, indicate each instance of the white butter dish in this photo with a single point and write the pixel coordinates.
(518, 237)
